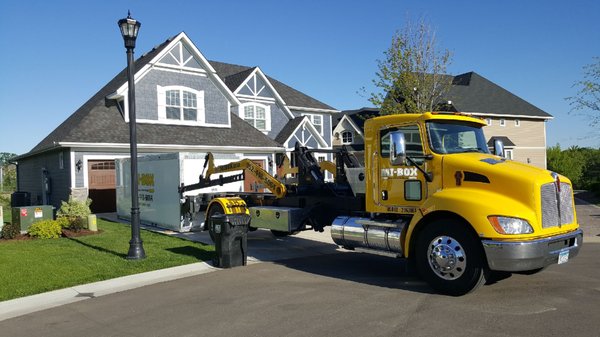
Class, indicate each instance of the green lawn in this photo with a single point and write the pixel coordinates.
(36, 266)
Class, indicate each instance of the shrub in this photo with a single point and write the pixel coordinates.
(10, 230)
(46, 229)
(76, 213)
(63, 222)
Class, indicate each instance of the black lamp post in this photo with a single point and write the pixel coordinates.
(129, 29)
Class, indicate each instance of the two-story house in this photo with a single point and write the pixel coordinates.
(519, 124)
(184, 103)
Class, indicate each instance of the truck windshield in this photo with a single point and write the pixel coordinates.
(456, 137)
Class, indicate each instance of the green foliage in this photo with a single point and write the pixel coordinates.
(581, 165)
(10, 231)
(411, 78)
(45, 229)
(63, 222)
(587, 99)
(76, 213)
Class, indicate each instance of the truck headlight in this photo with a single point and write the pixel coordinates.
(506, 225)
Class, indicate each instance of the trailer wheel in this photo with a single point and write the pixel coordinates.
(450, 258)
(214, 210)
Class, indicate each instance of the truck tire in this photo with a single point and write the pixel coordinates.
(214, 210)
(450, 258)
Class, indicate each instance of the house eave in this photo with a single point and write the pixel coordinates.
(170, 147)
(301, 108)
(506, 115)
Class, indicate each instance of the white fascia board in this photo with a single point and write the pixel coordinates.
(483, 114)
(210, 71)
(300, 108)
(306, 123)
(168, 147)
(278, 98)
(354, 126)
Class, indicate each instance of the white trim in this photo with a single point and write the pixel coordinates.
(517, 122)
(72, 167)
(529, 147)
(254, 99)
(352, 124)
(502, 122)
(174, 69)
(310, 118)
(278, 98)
(267, 108)
(87, 157)
(300, 108)
(172, 147)
(161, 108)
(306, 122)
(505, 115)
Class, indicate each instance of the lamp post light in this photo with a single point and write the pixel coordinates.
(129, 30)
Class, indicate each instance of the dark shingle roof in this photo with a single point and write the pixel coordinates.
(233, 75)
(358, 116)
(99, 121)
(505, 140)
(472, 93)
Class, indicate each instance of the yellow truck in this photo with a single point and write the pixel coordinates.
(430, 192)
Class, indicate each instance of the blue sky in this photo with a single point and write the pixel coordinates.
(57, 54)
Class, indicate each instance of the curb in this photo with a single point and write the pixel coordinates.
(25, 305)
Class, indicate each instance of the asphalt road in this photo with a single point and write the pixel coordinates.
(337, 294)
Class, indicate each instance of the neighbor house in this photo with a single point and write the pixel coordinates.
(184, 103)
(519, 124)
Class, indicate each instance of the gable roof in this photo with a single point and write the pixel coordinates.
(358, 116)
(473, 93)
(99, 121)
(292, 126)
(234, 75)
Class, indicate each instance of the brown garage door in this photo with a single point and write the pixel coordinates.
(101, 183)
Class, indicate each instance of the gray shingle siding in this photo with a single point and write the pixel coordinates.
(30, 177)
(215, 103)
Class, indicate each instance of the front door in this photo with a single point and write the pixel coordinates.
(102, 185)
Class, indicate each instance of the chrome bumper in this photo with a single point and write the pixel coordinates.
(530, 255)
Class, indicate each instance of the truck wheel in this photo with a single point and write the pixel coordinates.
(214, 210)
(450, 258)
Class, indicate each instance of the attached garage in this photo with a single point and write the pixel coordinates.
(101, 184)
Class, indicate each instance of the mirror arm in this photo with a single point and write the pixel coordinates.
(428, 176)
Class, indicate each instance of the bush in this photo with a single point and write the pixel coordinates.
(46, 229)
(75, 212)
(10, 230)
(63, 222)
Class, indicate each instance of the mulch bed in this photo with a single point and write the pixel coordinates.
(66, 233)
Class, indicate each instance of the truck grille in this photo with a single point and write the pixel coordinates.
(557, 212)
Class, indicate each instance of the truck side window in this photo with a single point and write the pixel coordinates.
(414, 146)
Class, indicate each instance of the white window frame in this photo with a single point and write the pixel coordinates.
(267, 108)
(502, 122)
(317, 126)
(162, 105)
(488, 121)
(351, 137)
(517, 122)
(509, 154)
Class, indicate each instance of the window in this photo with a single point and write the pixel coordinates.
(61, 161)
(456, 137)
(517, 122)
(180, 105)
(502, 122)
(181, 109)
(412, 137)
(508, 154)
(317, 121)
(488, 121)
(257, 115)
(347, 137)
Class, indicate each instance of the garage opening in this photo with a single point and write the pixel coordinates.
(102, 186)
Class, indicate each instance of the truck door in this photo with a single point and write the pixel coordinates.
(401, 187)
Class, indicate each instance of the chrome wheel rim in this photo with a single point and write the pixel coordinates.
(446, 257)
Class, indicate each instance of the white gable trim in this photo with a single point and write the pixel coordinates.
(278, 98)
(315, 133)
(167, 147)
(352, 124)
(208, 70)
(300, 108)
(476, 114)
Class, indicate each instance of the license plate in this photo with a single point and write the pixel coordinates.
(563, 257)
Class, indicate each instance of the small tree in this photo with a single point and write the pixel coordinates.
(587, 99)
(411, 78)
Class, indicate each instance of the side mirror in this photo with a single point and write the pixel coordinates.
(397, 148)
(498, 148)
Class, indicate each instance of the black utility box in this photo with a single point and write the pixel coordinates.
(20, 198)
(231, 239)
